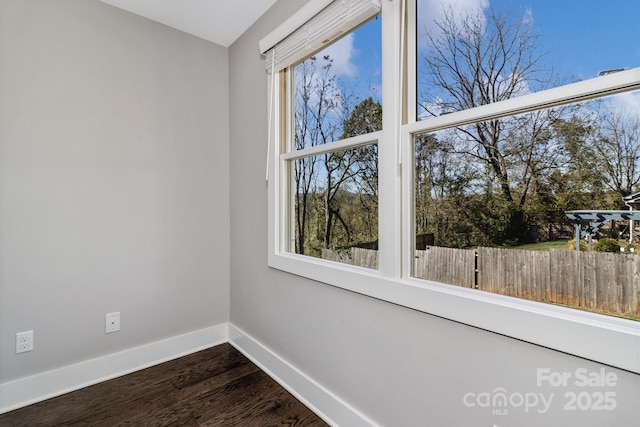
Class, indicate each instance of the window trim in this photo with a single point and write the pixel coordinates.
(559, 328)
(605, 339)
(611, 84)
(286, 158)
(301, 34)
(340, 145)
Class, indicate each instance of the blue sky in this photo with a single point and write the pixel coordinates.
(584, 37)
(580, 37)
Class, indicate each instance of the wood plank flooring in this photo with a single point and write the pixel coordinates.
(214, 387)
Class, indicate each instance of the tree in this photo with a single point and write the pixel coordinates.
(354, 172)
(473, 60)
(366, 117)
(317, 104)
(442, 179)
(617, 146)
(580, 179)
(335, 193)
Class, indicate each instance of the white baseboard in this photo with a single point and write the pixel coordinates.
(39, 387)
(323, 402)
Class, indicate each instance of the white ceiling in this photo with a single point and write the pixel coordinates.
(219, 21)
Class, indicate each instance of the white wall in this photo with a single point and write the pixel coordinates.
(397, 366)
(114, 181)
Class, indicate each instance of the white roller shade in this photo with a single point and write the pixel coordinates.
(317, 25)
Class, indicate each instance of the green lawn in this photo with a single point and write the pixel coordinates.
(544, 246)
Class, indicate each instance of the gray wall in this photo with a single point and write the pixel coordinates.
(399, 367)
(114, 181)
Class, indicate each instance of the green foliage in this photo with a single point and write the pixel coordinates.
(488, 183)
(366, 117)
(572, 245)
(546, 246)
(630, 248)
(607, 245)
(336, 197)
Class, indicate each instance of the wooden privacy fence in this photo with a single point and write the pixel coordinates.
(595, 281)
(446, 265)
(354, 256)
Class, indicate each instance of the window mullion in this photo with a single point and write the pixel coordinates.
(412, 63)
(390, 250)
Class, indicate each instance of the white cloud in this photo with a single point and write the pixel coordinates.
(625, 104)
(432, 10)
(427, 109)
(342, 53)
(521, 86)
(527, 17)
(315, 87)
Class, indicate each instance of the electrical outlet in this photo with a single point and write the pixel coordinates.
(112, 322)
(24, 341)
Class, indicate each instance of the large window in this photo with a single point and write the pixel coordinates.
(491, 199)
(493, 193)
(456, 197)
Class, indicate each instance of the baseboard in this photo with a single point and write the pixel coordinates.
(39, 387)
(36, 388)
(323, 402)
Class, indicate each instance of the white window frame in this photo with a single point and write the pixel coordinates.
(606, 339)
(288, 157)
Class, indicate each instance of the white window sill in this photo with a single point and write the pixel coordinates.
(605, 339)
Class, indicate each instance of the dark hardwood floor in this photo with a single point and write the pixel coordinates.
(214, 387)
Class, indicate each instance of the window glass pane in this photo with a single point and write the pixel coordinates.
(335, 206)
(476, 52)
(491, 202)
(337, 91)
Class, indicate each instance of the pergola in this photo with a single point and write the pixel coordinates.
(596, 219)
(633, 201)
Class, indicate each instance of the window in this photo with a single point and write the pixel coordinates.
(499, 224)
(439, 186)
(334, 191)
(490, 189)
